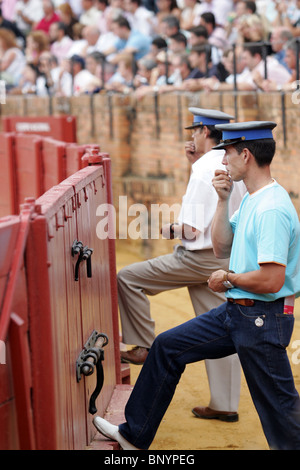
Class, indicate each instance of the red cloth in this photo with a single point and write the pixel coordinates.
(44, 24)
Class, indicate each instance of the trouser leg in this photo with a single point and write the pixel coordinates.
(202, 337)
(224, 375)
(267, 369)
(172, 271)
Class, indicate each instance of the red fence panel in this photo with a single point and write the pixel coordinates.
(64, 312)
(54, 162)
(74, 154)
(29, 167)
(16, 417)
(8, 194)
(58, 127)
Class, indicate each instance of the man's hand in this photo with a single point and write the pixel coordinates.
(215, 282)
(190, 152)
(166, 232)
(223, 184)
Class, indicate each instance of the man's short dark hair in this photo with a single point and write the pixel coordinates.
(209, 18)
(202, 48)
(250, 6)
(122, 22)
(214, 133)
(179, 37)
(199, 31)
(254, 49)
(160, 42)
(172, 21)
(262, 150)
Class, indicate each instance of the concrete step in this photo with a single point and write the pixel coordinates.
(115, 415)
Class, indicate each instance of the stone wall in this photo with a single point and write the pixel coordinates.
(145, 140)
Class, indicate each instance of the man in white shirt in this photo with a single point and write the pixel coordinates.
(27, 14)
(90, 14)
(139, 17)
(190, 265)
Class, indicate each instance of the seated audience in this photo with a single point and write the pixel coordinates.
(12, 59)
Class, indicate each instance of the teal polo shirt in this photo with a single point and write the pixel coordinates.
(266, 230)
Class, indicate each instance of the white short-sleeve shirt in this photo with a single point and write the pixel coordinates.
(200, 200)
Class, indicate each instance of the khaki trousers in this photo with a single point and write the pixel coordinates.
(182, 268)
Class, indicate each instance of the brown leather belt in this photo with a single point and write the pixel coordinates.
(244, 302)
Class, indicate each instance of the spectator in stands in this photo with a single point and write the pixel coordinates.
(288, 15)
(108, 39)
(123, 80)
(182, 71)
(91, 34)
(160, 75)
(178, 43)
(68, 18)
(27, 14)
(291, 60)
(166, 8)
(79, 43)
(139, 17)
(201, 60)
(145, 66)
(61, 43)
(240, 11)
(36, 43)
(279, 38)
(8, 9)
(83, 80)
(169, 26)
(95, 64)
(12, 59)
(91, 14)
(198, 35)
(216, 34)
(104, 7)
(27, 84)
(251, 28)
(11, 26)
(50, 16)
(190, 13)
(129, 41)
(252, 77)
(49, 70)
(76, 6)
(158, 44)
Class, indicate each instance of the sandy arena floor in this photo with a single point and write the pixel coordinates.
(180, 430)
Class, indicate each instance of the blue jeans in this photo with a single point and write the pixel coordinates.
(220, 332)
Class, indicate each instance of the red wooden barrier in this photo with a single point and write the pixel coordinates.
(54, 162)
(29, 167)
(8, 184)
(58, 127)
(57, 314)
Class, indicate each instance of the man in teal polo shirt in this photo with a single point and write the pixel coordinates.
(263, 241)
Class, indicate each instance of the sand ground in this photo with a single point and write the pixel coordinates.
(180, 430)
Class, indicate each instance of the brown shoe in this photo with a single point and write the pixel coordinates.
(136, 356)
(207, 413)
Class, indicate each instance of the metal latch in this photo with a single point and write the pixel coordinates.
(90, 357)
(84, 254)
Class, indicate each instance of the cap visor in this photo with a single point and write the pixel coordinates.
(197, 124)
(223, 145)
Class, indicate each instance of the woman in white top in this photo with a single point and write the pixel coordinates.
(12, 59)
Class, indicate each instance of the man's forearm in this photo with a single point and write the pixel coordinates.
(221, 231)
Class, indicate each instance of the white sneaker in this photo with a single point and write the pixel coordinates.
(112, 432)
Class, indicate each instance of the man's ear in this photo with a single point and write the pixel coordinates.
(247, 155)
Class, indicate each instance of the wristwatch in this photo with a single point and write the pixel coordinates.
(226, 282)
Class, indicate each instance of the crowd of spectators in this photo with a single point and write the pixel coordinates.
(75, 47)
